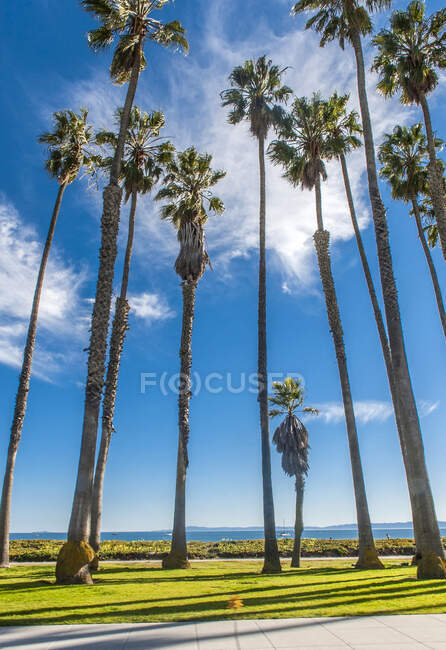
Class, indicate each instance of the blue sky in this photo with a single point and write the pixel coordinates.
(54, 69)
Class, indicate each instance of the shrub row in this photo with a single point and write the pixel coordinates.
(46, 550)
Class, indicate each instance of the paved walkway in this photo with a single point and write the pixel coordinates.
(361, 633)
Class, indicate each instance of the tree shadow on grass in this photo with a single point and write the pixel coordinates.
(26, 586)
(306, 593)
(192, 576)
(152, 576)
(210, 607)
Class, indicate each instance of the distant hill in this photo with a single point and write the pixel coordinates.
(391, 525)
(396, 524)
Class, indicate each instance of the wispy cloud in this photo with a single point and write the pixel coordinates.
(368, 411)
(150, 307)
(365, 411)
(426, 408)
(62, 312)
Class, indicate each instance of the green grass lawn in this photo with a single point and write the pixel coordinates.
(143, 593)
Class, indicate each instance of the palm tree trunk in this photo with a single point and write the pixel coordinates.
(75, 556)
(125, 117)
(435, 173)
(425, 520)
(272, 559)
(23, 389)
(368, 556)
(177, 558)
(376, 308)
(430, 264)
(299, 521)
(119, 329)
(368, 276)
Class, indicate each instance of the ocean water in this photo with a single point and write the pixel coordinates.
(215, 535)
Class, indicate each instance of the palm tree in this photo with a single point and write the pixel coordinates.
(349, 20)
(255, 96)
(305, 143)
(291, 440)
(344, 129)
(132, 23)
(403, 155)
(409, 54)
(187, 190)
(68, 154)
(145, 155)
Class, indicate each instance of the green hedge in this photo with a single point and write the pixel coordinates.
(46, 550)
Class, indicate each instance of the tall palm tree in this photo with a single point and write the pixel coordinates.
(68, 154)
(145, 155)
(409, 54)
(349, 20)
(403, 156)
(133, 24)
(291, 440)
(304, 145)
(255, 96)
(344, 129)
(188, 191)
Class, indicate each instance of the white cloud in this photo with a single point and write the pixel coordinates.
(426, 407)
(290, 213)
(368, 411)
(97, 94)
(61, 313)
(150, 307)
(194, 116)
(365, 411)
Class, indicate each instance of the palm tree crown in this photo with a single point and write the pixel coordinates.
(291, 436)
(410, 51)
(344, 127)
(145, 152)
(427, 213)
(187, 188)
(255, 95)
(67, 146)
(304, 141)
(289, 397)
(131, 21)
(339, 19)
(404, 156)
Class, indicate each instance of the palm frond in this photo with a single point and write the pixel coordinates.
(410, 52)
(131, 22)
(403, 155)
(68, 146)
(337, 19)
(256, 95)
(146, 154)
(291, 440)
(173, 35)
(307, 139)
(188, 202)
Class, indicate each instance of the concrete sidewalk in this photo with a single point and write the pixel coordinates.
(362, 633)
